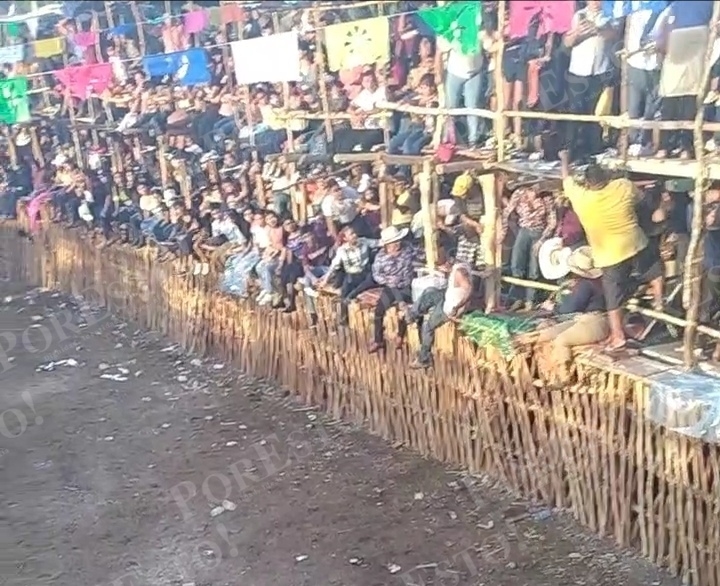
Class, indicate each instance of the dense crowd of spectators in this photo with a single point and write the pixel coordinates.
(212, 190)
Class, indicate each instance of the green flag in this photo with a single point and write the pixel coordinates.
(457, 23)
(12, 29)
(14, 102)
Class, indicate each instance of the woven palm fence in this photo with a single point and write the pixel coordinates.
(587, 447)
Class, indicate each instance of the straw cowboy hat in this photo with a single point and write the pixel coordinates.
(553, 259)
(580, 262)
(392, 234)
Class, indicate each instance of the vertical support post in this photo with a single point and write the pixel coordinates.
(383, 200)
(320, 66)
(297, 192)
(73, 124)
(488, 240)
(162, 161)
(12, 151)
(138, 25)
(624, 72)
(499, 86)
(692, 280)
(426, 207)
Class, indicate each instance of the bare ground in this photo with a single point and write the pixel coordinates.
(115, 467)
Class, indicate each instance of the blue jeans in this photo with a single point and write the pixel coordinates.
(643, 101)
(409, 142)
(266, 272)
(524, 263)
(312, 274)
(238, 267)
(459, 90)
(430, 303)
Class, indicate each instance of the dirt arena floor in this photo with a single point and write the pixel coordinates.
(126, 462)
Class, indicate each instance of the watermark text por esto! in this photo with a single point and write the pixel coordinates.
(260, 461)
(67, 323)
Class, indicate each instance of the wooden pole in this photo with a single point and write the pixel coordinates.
(73, 124)
(139, 26)
(37, 150)
(488, 238)
(692, 281)
(12, 151)
(428, 223)
(383, 200)
(499, 85)
(320, 67)
(297, 193)
(624, 74)
(162, 161)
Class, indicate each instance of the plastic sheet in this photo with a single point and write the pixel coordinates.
(686, 403)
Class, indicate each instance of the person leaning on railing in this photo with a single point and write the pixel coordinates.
(607, 212)
(536, 222)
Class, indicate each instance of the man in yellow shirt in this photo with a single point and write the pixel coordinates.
(606, 209)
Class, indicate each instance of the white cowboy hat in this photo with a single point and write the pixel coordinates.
(392, 234)
(553, 259)
(169, 195)
(23, 138)
(59, 160)
(581, 263)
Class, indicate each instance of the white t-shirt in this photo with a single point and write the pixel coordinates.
(459, 65)
(636, 23)
(260, 236)
(118, 68)
(229, 229)
(344, 210)
(591, 56)
(454, 295)
(367, 101)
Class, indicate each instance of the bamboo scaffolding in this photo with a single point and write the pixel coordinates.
(692, 279)
(321, 72)
(621, 121)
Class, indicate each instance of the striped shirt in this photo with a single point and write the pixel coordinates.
(534, 212)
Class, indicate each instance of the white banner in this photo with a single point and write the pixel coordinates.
(271, 59)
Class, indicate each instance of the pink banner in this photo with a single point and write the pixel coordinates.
(555, 17)
(195, 21)
(85, 39)
(83, 80)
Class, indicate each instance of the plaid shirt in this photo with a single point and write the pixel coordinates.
(353, 259)
(396, 270)
(534, 213)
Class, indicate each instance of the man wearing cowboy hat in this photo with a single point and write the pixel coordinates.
(393, 270)
(582, 298)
